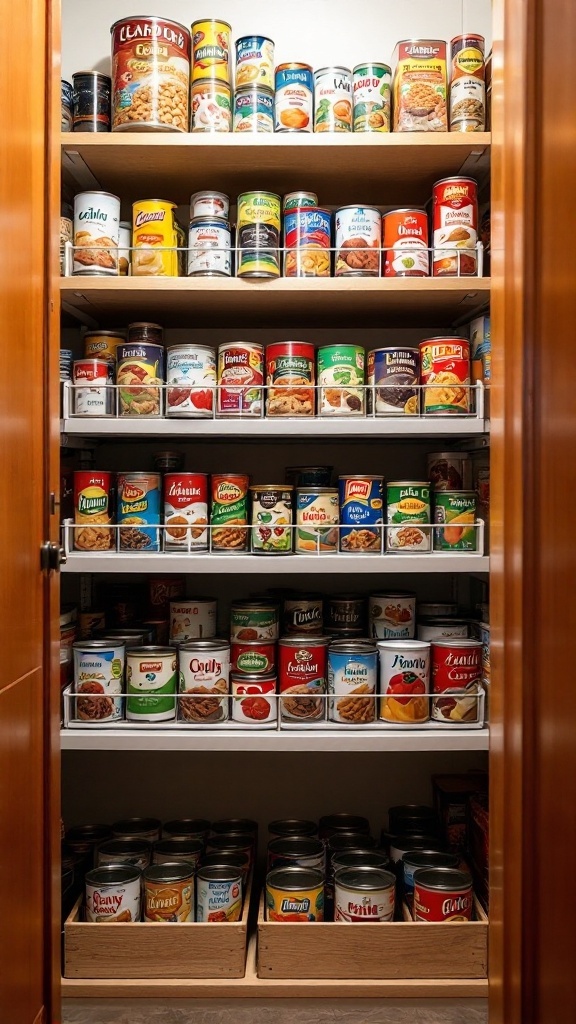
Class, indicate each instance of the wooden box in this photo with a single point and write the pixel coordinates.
(400, 949)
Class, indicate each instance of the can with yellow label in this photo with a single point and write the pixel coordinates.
(154, 239)
(211, 49)
(295, 894)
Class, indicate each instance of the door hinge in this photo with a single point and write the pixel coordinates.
(52, 556)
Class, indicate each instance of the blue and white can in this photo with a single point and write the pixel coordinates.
(254, 109)
(361, 513)
(254, 61)
(352, 678)
(294, 98)
(139, 511)
(98, 680)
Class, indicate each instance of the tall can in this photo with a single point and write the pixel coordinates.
(186, 511)
(456, 681)
(139, 372)
(404, 681)
(333, 100)
(93, 511)
(358, 235)
(294, 98)
(211, 49)
(445, 374)
(151, 684)
(302, 675)
(229, 511)
(98, 679)
(254, 61)
(96, 234)
(405, 243)
(409, 516)
(154, 238)
(191, 380)
(341, 377)
(290, 378)
(392, 615)
(240, 379)
(352, 676)
(307, 235)
(91, 101)
(455, 227)
(204, 681)
(393, 378)
(467, 84)
(457, 510)
(361, 510)
(209, 242)
(258, 235)
(371, 88)
(138, 496)
(272, 519)
(150, 75)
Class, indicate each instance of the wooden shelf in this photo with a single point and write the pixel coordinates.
(389, 170)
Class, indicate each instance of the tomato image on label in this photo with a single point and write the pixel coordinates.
(405, 683)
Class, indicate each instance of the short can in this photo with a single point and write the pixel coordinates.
(92, 394)
(228, 858)
(437, 609)
(229, 512)
(393, 378)
(359, 858)
(364, 894)
(211, 49)
(240, 379)
(302, 614)
(283, 828)
(209, 204)
(253, 657)
(139, 500)
(341, 377)
(358, 234)
(192, 619)
(346, 612)
(236, 826)
(448, 471)
(456, 681)
(294, 98)
(137, 828)
(420, 86)
(91, 101)
(186, 828)
(445, 374)
(93, 511)
(258, 235)
(253, 109)
(154, 238)
(333, 100)
(309, 476)
(371, 84)
(211, 106)
(457, 510)
(307, 236)
(467, 84)
(252, 620)
(409, 516)
(162, 590)
(113, 893)
(442, 894)
(361, 511)
(415, 860)
(302, 671)
(185, 512)
(254, 698)
(405, 243)
(191, 380)
(254, 61)
(209, 253)
(98, 680)
(169, 892)
(341, 823)
(150, 75)
(352, 677)
(317, 518)
(142, 332)
(139, 372)
(151, 677)
(272, 519)
(218, 894)
(103, 345)
(90, 623)
(290, 378)
(96, 234)
(125, 851)
(86, 838)
(296, 851)
(404, 681)
(455, 227)
(299, 200)
(295, 894)
(442, 629)
(178, 848)
(67, 104)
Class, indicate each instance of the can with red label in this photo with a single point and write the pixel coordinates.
(253, 657)
(254, 698)
(150, 74)
(445, 372)
(240, 376)
(405, 243)
(442, 894)
(92, 511)
(96, 398)
(302, 668)
(307, 242)
(290, 378)
(457, 675)
(455, 227)
(186, 511)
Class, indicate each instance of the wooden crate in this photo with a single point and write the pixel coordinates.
(395, 950)
(149, 950)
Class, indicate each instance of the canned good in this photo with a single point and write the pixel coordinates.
(86, 838)
(442, 629)
(253, 657)
(285, 827)
(209, 204)
(415, 860)
(186, 828)
(333, 100)
(209, 244)
(137, 828)
(254, 61)
(448, 471)
(346, 612)
(455, 227)
(253, 621)
(154, 239)
(309, 476)
(140, 370)
(151, 75)
(302, 614)
(457, 676)
(253, 697)
(352, 676)
(393, 376)
(91, 101)
(298, 200)
(191, 376)
(289, 368)
(254, 109)
(228, 858)
(405, 243)
(240, 376)
(179, 848)
(98, 676)
(392, 615)
(125, 851)
(229, 514)
(302, 677)
(342, 823)
(150, 682)
(307, 234)
(297, 851)
(467, 85)
(162, 590)
(236, 826)
(400, 845)
(271, 518)
(258, 235)
(364, 894)
(211, 106)
(361, 513)
(341, 376)
(90, 623)
(138, 497)
(457, 509)
(371, 85)
(218, 893)
(442, 894)
(408, 503)
(113, 894)
(409, 817)
(103, 345)
(420, 86)
(295, 894)
(145, 333)
(359, 858)
(92, 511)
(97, 399)
(130, 637)
(294, 98)
(193, 619)
(445, 370)
(96, 234)
(66, 101)
(316, 517)
(404, 681)
(358, 234)
(437, 609)
(211, 49)
(186, 511)
(169, 893)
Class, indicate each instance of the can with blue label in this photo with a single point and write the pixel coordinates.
(254, 109)
(307, 243)
(139, 511)
(352, 677)
(294, 100)
(139, 371)
(254, 61)
(361, 513)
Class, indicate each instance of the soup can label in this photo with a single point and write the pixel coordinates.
(302, 678)
(467, 86)
(393, 376)
(204, 681)
(408, 513)
(139, 372)
(139, 511)
(333, 100)
(392, 616)
(289, 368)
(253, 622)
(98, 676)
(258, 235)
(229, 515)
(253, 698)
(191, 379)
(341, 376)
(209, 248)
(192, 620)
(307, 235)
(358, 234)
(352, 683)
(150, 74)
(405, 243)
(457, 509)
(272, 519)
(445, 372)
(211, 49)
(404, 681)
(254, 109)
(186, 511)
(317, 516)
(150, 680)
(455, 227)
(218, 900)
(361, 513)
(457, 676)
(92, 511)
(240, 376)
(294, 98)
(254, 61)
(211, 103)
(420, 86)
(371, 84)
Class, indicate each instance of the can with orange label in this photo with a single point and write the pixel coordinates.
(455, 227)
(467, 85)
(169, 892)
(154, 239)
(445, 372)
(405, 243)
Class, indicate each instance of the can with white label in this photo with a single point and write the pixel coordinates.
(203, 681)
(96, 234)
(219, 893)
(392, 615)
(209, 243)
(352, 674)
(192, 619)
(113, 893)
(98, 676)
(151, 674)
(404, 681)
(364, 894)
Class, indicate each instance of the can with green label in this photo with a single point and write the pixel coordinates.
(457, 509)
(341, 375)
(258, 235)
(151, 678)
(408, 516)
(371, 90)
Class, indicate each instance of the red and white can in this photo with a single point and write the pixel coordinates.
(405, 243)
(240, 376)
(97, 399)
(445, 370)
(302, 675)
(186, 511)
(253, 657)
(457, 676)
(455, 227)
(253, 698)
(442, 894)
